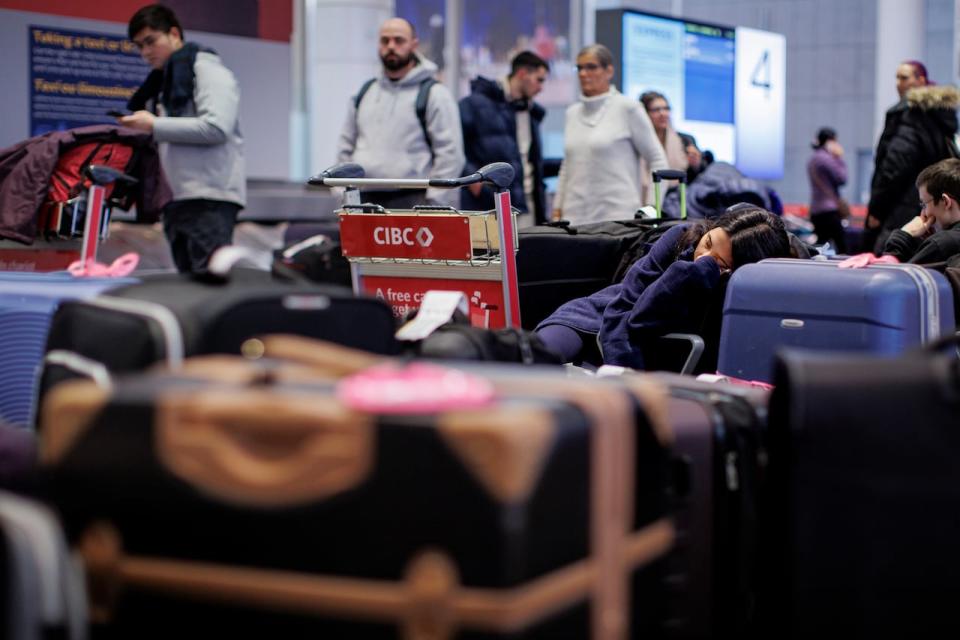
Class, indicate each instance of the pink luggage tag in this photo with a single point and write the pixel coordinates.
(414, 388)
(122, 266)
(740, 382)
(862, 260)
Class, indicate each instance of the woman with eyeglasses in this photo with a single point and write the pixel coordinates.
(659, 111)
(605, 137)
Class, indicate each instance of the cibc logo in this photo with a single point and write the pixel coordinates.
(404, 235)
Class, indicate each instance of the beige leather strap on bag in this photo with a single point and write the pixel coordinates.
(263, 446)
(332, 359)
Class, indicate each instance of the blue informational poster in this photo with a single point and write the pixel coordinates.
(77, 76)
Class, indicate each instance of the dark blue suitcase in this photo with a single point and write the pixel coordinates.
(27, 303)
(810, 304)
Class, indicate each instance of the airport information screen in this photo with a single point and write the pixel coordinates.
(725, 85)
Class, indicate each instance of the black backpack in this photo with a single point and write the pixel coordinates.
(423, 96)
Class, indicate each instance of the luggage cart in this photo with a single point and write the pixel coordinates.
(398, 255)
(70, 232)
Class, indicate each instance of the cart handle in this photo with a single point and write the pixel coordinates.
(104, 175)
(500, 174)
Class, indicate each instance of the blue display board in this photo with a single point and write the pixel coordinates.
(77, 76)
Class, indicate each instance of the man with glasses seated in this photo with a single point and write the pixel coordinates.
(934, 235)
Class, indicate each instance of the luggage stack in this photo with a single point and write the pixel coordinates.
(259, 496)
(253, 495)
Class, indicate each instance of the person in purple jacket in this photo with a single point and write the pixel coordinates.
(666, 290)
(827, 172)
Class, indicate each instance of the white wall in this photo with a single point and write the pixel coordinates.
(340, 53)
(262, 69)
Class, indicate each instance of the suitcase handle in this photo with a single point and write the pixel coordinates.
(669, 174)
(941, 344)
(264, 448)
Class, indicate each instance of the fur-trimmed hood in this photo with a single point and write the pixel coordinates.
(939, 96)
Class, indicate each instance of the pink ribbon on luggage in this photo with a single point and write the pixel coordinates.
(122, 266)
(862, 260)
(414, 388)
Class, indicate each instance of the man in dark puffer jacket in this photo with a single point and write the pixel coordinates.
(501, 123)
(918, 132)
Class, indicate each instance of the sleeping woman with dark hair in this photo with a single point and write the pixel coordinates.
(665, 291)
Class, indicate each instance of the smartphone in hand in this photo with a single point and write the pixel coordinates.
(119, 113)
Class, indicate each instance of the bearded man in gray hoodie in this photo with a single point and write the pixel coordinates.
(190, 102)
(403, 124)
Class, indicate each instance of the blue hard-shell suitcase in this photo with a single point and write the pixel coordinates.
(809, 304)
(27, 303)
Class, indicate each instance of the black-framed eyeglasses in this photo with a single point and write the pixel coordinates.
(149, 41)
(589, 66)
(926, 203)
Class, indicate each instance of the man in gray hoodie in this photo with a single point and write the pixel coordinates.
(190, 102)
(385, 134)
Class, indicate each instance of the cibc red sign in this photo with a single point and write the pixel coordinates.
(409, 237)
(405, 294)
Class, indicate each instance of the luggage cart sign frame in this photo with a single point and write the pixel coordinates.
(399, 255)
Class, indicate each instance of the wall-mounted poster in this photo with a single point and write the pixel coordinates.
(494, 31)
(77, 76)
(429, 19)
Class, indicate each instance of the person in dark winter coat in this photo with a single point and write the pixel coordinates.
(919, 131)
(934, 235)
(665, 291)
(501, 123)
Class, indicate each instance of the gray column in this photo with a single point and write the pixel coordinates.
(901, 35)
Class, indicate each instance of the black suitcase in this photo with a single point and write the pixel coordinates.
(168, 317)
(865, 496)
(260, 504)
(720, 455)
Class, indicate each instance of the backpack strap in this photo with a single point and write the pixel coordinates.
(363, 91)
(423, 97)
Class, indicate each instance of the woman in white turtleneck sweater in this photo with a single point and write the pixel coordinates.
(605, 136)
